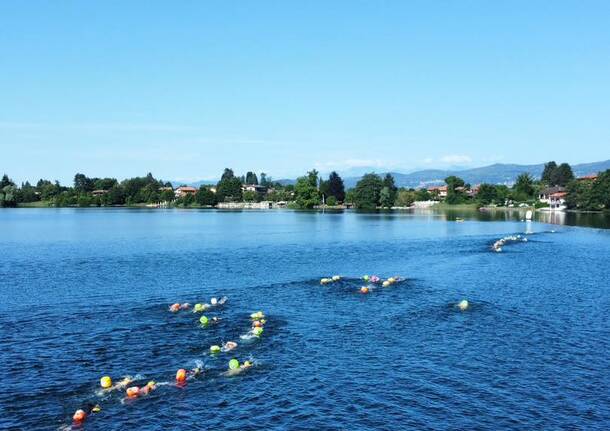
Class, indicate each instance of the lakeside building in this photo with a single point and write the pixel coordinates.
(184, 190)
(557, 201)
(591, 177)
(441, 191)
(97, 193)
(257, 188)
(545, 194)
(554, 197)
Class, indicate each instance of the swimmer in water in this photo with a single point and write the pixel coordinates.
(463, 305)
(174, 308)
(217, 302)
(136, 392)
(235, 368)
(228, 346)
(107, 386)
(81, 414)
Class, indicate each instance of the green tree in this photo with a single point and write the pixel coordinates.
(8, 196)
(166, 195)
(388, 181)
(487, 194)
(306, 192)
(368, 191)
(27, 193)
(336, 187)
(524, 187)
(406, 198)
(115, 196)
(422, 195)
(547, 173)
(82, 183)
(251, 178)
(331, 201)
(312, 177)
(455, 194)
(600, 190)
(5, 181)
(249, 196)
(562, 175)
(104, 183)
(229, 190)
(385, 198)
(580, 196)
(264, 180)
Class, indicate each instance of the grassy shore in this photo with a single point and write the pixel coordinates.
(37, 204)
(446, 206)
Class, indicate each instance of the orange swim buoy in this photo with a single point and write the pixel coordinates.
(174, 308)
(133, 392)
(181, 375)
(79, 415)
(257, 324)
(364, 289)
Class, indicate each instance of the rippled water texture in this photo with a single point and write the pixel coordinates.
(86, 293)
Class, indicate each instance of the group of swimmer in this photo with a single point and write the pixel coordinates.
(128, 385)
(371, 280)
(199, 307)
(374, 280)
(497, 246)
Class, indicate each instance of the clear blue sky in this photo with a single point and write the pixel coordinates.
(183, 89)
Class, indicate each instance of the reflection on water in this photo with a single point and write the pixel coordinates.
(600, 220)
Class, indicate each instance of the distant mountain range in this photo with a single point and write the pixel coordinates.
(498, 173)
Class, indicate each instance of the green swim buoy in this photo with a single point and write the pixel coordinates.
(233, 364)
(204, 320)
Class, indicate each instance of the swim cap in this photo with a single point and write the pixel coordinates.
(105, 382)
(181, 375)
(204, 320)
(214, 348)
(79, 415)
(233, 364)
(133, 391)
(257, 331)
(96, 409)
(463, 304)
(214, 301)
(247, 363)
(151, 383)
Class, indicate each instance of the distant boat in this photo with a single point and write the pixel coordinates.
(459, 220)
(528, 215)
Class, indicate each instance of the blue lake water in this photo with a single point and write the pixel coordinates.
(85, 293)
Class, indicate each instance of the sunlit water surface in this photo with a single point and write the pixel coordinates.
(86, 293)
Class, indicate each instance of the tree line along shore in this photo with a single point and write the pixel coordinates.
(590, 193)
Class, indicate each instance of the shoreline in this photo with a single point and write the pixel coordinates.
(338, 208)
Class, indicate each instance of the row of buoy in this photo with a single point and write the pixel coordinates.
(497, 246)
(258, 321)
